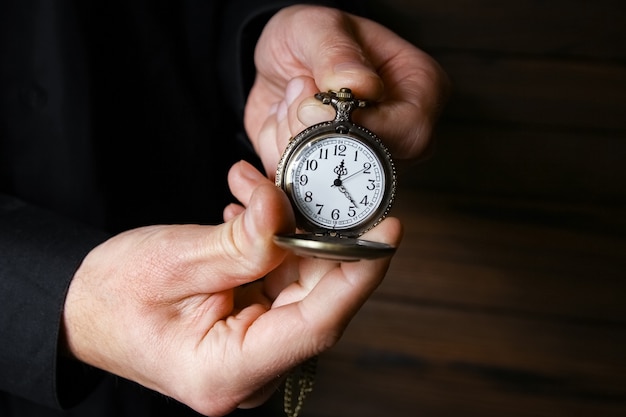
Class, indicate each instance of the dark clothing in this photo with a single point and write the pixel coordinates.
(113, 114)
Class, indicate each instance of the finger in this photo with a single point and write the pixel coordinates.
(280, 278)
(343, 290)
(243, 178)
(304, 99)
(389, 231)
(333, 53)
(242, 250)
(312, 111)
(416, 89)
(274, 136)
(283, 121)
(252, 293)
(266, 144)
(295, 278)
(231, 211)
(187, 260)
(296, 90)
(315, 323)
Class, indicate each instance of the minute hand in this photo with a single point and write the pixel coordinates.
(352, 175)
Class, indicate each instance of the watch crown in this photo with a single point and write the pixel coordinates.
(344, 93)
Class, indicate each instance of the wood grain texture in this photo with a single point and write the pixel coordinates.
(538, 108)
(575, 29)
(488, 315)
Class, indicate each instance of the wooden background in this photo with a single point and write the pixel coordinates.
(508, 296)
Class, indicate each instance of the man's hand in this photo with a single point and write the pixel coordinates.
(306, 49)
(184, 309)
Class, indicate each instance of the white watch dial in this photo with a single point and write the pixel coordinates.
(337, 182)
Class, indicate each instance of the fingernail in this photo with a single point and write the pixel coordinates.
(350, 67)
(313, 113)
(359, 75)
(248, 171)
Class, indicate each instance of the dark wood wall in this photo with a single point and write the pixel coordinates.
(539, 103)
(508, 295)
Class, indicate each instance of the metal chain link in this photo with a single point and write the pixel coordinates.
(305, 377)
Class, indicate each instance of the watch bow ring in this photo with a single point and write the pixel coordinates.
(341, 182)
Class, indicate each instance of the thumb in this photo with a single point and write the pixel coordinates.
(242, 249)
(334, 54)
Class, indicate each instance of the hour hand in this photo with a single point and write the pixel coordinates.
(340, 170)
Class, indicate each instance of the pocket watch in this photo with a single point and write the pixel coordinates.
(341, 182)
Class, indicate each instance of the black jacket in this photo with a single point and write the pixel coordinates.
(113, 114)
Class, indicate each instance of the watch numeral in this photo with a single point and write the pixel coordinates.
(308, 196)
(335, 214)
(366, 168)
(323, 154)
(352, 211)
(364, 201)
(356, 156)
(371, 185)
(321, 206)
(311, 165)
(340, 150)
(304, 180)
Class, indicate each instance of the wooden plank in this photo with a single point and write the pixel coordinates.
(536, 92)
(348, 389)
(522, 315)
(407, 360)
(567, 165)
(570, 29)
(441, 335)
(519, 258)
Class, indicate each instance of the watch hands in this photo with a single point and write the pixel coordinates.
(348, 177)
(356, 173)
(348, 196)
(341, 170)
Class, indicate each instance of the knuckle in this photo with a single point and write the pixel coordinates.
(247, 260)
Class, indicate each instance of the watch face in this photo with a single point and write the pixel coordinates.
(341, 182)
(338, 183)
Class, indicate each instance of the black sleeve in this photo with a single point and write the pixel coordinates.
(39, 253)
(40, 250)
